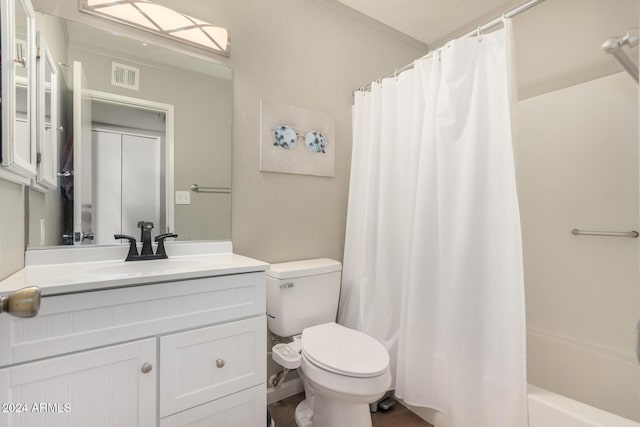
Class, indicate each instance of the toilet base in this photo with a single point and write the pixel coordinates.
(329, 412)
(332, 413)
(304, 414)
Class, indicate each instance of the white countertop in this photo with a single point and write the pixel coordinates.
(92, 272)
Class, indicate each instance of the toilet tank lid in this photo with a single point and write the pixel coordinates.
(307, 267)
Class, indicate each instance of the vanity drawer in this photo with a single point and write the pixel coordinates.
(245, 408)
(206, 364)
(73, 322)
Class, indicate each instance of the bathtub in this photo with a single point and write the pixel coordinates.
(547, 409)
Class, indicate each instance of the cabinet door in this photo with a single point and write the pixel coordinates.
(46, 117)
(247, 408)
(105, 387)
(18, 153)
(206, 364)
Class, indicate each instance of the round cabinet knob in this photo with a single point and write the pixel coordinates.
(24, 302)
(146, 368)
(220, 363)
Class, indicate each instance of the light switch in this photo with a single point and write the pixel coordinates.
(183, 197)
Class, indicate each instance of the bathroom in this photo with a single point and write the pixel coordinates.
(581, 172)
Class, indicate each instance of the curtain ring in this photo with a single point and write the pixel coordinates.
(478, 32)
(395, 74)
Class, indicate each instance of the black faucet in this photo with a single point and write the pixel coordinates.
(147, 249)
(145, 237)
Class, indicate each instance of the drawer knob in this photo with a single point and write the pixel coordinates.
(24, 302)
(146, 368)
(220, 363)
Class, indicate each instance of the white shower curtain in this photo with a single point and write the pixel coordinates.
(433, 255)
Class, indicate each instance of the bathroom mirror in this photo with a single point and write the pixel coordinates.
(148, 112)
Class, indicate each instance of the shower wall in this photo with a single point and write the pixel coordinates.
(577, 167)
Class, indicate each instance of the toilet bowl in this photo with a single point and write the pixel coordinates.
(343, 370)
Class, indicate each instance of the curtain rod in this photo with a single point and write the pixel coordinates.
(496, 21)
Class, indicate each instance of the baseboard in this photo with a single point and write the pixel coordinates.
(287, 389)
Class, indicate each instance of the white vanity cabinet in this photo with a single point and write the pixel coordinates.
(176, 353)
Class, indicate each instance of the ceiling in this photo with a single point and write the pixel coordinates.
(557, 43)
(428, 20)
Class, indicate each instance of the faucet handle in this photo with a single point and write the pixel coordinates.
(160, 239)
(133, 249)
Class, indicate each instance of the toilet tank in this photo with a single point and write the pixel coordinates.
(302, 294)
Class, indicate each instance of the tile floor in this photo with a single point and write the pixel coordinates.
(398, 416)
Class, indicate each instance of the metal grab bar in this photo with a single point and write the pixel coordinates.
(614, 47)
(633, 234)
(198, 189)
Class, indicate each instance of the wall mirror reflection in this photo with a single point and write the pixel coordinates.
(139, 123)
(47, 118)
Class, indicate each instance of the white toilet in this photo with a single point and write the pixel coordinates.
(342, 370)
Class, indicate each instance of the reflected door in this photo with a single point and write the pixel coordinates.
(126, 183)
(82, 157)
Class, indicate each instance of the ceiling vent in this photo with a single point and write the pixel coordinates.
(125, 76)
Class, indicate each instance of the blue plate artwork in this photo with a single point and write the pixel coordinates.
(285, 137)
(315, 141)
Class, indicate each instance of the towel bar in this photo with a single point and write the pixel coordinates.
(633, 234)
(198, 189)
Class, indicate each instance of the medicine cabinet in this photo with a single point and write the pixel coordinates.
(19, 153)
(47, 122)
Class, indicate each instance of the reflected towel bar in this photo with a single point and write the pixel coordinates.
(632, 234)
(198, 189)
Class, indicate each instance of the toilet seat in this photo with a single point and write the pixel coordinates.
(344, 351)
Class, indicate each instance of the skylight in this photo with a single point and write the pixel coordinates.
(161, 20)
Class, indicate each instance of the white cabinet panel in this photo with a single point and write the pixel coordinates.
(18, 149)
(80, 321)
(46, 118)
(208, 363)
(104, 387)
(242, 409)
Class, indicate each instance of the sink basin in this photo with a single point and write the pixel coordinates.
(145, 268)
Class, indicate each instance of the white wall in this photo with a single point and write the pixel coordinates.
(315, 61)
(11, 228)
(577, 167)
